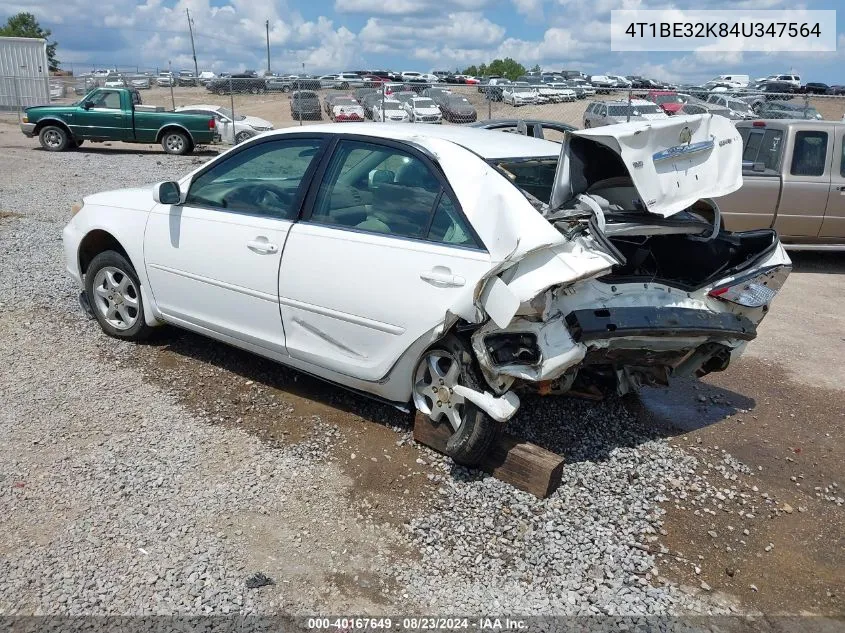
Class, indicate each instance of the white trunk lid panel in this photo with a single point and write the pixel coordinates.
(673, 162)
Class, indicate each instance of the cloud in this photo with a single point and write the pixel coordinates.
(405, 7)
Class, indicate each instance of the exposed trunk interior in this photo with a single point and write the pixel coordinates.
(688, 261)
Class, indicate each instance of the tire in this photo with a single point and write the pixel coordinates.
(176, 143)
(439, 367)
(78, 143)
(54, 139)
(344, 86)
(220, 91)
(240, 137)
(253, 90)
(111, 282)
(285, 88)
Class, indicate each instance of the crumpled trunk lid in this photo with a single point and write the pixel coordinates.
(672, 163)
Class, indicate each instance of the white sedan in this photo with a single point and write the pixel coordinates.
(233, 128)
(423, 110)
(520, 95)
(389, 110)
(444, 267)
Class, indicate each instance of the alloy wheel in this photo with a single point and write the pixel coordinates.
(52, 138)
(434, 381)
(116, 297)
(175, 143)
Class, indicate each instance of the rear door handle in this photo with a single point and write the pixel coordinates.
(841, 188)
(262, 245)
(442, 277)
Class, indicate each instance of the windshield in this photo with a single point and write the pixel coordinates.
(534, 175)
(345, 101)
(523, 89)
(392, 105)
(660, 100)
(636, 110)
(739, 106)
(423, 103)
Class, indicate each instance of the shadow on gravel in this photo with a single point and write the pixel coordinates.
(818, 262)
(578, 429)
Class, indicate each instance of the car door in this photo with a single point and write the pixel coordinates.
(101, 116)
(806, 184)
(834, 217)
(213, 261)
(381, 254)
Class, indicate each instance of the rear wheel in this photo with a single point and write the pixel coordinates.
(440, 370)
(176, 143)
(242, 136)
(54, 139)
(344, 86)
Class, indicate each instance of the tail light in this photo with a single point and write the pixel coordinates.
(755, 290)
(211, 124)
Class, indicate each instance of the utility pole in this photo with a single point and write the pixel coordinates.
(267, 29)
(193, 49)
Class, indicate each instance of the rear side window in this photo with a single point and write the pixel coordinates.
(762, 147)
(808, 156)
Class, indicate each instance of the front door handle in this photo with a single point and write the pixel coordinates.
(262, 245)
(442, 277)
(841, 188)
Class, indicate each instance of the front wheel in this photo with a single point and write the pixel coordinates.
(176, 143)
(344, 86)
(439, 371)
(54, 139)
(114, 294)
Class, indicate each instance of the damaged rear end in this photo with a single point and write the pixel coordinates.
(645, 283)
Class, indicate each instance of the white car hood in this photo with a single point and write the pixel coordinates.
(348, 109)
(426, 111)
(673, 162)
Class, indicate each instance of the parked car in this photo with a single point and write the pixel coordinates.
(238, 83)
(437, 94)
(400, 281)
(422, 110)
(815, 88)
(278, 84)
(233, 128)
(517, 95)
(403, 96)
(115, 81)
(389, 111)
(457, 109)
(775, 90)
(360, 93)
(669, 101)
(555, 93)
(621, 82)
(305, 104)
(495, 87)
(730, 81)
(186, 78)
(600, 113)
(602, 83)
(57, 90)
(344, 109)
(697, 106)
(368, 101)
(205, 76)
(738, 108)
(581, 88)
(787, 110)
(549, 130)
(836, 89)
(792, 178)
(140, 82)
(165, 80)
(115, 114)
(84, 86)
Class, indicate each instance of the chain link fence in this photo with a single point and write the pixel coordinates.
(253, 104)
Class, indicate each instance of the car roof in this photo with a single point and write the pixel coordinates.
(488, 144)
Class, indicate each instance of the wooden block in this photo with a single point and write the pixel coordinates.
(521, 464)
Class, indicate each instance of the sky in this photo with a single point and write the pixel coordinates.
(320, 36)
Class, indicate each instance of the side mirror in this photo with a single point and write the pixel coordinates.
(86, 105)
(167, 193)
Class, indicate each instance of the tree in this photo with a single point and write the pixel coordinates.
(25, 25)
(506, 67)
(536, 69)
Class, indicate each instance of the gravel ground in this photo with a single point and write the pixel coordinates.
(125, 493)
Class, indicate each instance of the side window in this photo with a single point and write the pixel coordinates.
(448, 227)
(808, 155)
(381, 189)
(752, 146)
(770, 149)
(263, 179)
(106, 99)
(602, 110)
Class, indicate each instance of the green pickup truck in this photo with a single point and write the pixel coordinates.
(116, 114)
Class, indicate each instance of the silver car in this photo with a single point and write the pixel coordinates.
(600, 113)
